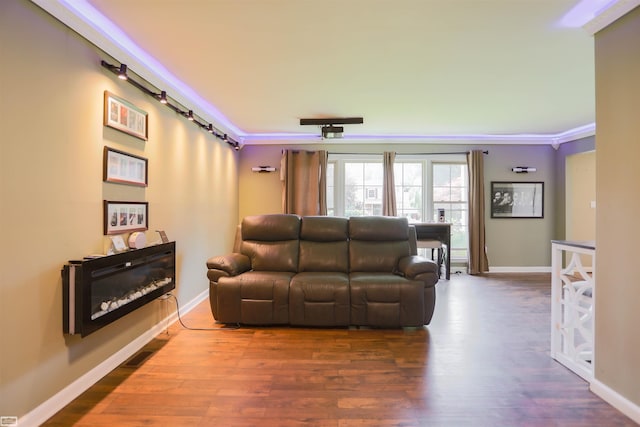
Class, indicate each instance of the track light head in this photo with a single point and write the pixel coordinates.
(225, 138)
(210, 128)
(163, 97)
(236, 146)
(122, 74)
(190, 115)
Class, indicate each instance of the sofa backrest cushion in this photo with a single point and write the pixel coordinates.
(324, 244)
(377, 243)
(271, 242)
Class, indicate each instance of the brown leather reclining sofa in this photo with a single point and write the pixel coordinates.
(323, 271)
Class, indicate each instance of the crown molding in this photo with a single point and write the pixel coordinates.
(609, 14)
(554, 139)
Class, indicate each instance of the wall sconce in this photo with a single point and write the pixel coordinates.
(523, 169)
(263, 169)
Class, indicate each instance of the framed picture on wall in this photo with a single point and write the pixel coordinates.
(124, 168)
(124, 116)
(125, 217)
(517, 199)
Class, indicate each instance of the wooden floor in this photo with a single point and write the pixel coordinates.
(483, 361)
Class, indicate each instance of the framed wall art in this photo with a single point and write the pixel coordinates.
(124, 168)
(517, 199)
(124, 116)
(125, 217)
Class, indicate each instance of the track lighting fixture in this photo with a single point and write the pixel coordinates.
(122, 74)
(161, 96)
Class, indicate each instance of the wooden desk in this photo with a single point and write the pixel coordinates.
(437, 231)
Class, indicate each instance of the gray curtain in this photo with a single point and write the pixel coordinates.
(478, 262)
(389, 187)
(304, 176)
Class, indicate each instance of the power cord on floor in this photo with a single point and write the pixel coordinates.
(225, 328)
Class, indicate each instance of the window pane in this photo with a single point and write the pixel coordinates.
(412, 174)
(330, 198)
(354, 173)
(373, 173)
(441, 175)
(408, 180)
(450, 193)
(363, 188)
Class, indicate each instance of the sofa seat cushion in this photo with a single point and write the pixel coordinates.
(319, 299)
(254, 297)
(386, 300)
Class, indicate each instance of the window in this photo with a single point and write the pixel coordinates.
(409, 177)
(450, 192)
(354, 185)
(423, 185)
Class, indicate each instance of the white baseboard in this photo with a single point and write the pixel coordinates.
(61, 399)
(619, 402)
(541, 269)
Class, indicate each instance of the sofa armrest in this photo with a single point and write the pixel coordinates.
(232, 264)
(414, 265)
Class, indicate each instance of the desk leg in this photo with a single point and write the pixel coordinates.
(448, 264)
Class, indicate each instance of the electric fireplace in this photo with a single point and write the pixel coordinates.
(101, 290)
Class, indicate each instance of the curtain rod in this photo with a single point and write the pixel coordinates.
(416, 154)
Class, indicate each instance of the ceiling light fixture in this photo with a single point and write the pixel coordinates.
(329, 130)
(163, 97)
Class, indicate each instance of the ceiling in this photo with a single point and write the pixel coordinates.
(413, 69)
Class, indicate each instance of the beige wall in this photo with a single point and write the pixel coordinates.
(511, 242)
(565, 150)
(51, 194)
(618, 206)
(581, 196)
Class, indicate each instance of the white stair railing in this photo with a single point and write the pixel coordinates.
(572, 305)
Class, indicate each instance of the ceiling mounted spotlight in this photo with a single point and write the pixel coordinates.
(332, 132)
(122, 74)
(190, 115)
(210, 128)
(163, 97)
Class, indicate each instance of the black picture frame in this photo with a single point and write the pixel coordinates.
(124, 168)
(125, 217)
(517, 199)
